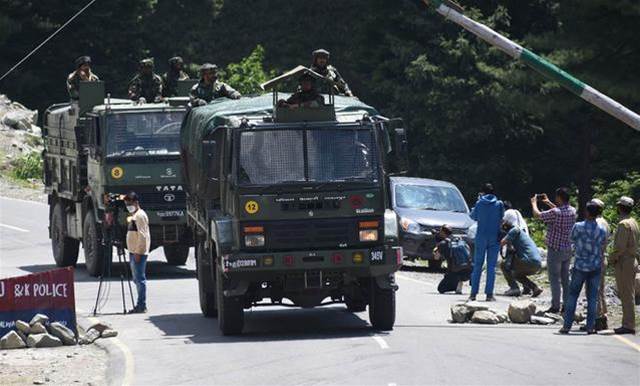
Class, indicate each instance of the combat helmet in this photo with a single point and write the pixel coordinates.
(175, 60)
(320, 52)
(82, 60)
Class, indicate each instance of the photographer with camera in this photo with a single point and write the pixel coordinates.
(559, 220)
(138, 243)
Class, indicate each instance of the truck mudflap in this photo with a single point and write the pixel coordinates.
(374, 261)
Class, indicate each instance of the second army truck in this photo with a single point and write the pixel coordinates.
(291, 205)
(96, 149)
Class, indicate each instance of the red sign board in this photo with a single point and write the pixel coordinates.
(50, 293)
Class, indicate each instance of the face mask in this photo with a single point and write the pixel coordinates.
(131, 208)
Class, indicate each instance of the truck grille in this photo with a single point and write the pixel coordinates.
(312, 234)
(152, 200)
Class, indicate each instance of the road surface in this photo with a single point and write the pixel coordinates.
(174, 344)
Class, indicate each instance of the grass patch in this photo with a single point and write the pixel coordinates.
(27, 167)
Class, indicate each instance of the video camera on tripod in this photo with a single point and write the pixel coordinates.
(114, 236)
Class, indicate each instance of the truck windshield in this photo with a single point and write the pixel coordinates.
(322, 155)
(426, 197)
(145, 133)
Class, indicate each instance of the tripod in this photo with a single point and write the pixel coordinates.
(114, 239)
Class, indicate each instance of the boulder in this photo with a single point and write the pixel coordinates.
(23, 327)
(109, 333)
(39, 318)
(11, 340)
(38, 328)
(460, 313)
(476, 306)
(43, 340)
(100, 327)
(23, 336)
(555, 317)
(484, 317)
(579, 317)
(541, 320)
(89, 337)
(502, 317)
(521, 311)
(63, 333)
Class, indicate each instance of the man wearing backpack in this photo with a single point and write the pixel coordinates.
(524, 261)
(458, 256)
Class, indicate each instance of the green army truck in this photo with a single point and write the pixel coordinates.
(97, 149)
(291, 205)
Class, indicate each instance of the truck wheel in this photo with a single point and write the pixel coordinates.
(206, 284)
(65, 249)
(94, 255)
(354, 305)
(230, 309)
(382, 309)
(176, 254)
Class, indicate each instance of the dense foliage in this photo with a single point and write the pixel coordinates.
(474, 115)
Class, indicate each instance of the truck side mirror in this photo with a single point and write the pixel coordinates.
(209, 159)
(401, 143)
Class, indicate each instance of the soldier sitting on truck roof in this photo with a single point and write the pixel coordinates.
(209, 87)
(82, 73)
(306, 96)
(170, 78)
(321, 66)
(146, 84)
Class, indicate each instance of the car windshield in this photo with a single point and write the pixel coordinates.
(268, 157)
(147, 133)
(426, 197)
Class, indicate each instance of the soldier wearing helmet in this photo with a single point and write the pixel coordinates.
(170, 78)
(209, 87)
(146, 84)
(321, 66)
(82, 73)
(307, 94)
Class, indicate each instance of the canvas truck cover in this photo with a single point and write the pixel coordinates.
(201, 122)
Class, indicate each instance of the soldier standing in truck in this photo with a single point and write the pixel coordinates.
(170, 78)
(82, 73)
(209, 87)
(306, 96)
(146, 84)
(321, 66)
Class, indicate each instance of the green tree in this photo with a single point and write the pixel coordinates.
(247, 75)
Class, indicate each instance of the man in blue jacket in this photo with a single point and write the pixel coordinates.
(488, 212)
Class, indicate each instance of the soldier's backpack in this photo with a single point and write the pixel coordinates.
(460, 255)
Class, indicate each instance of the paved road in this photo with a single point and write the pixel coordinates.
(174, 344)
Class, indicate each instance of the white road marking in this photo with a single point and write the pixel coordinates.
(381, 342)
(128, 356)
(13, 228)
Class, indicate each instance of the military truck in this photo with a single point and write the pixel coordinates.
(291, 205)
(97, 149)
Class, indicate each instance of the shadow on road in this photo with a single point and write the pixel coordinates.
(421, 268)
(268, 325)
(156, 270)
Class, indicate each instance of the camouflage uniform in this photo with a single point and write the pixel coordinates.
(170, 78)
(74, 79)
(73, 83)
(202, 92)
(311, 98)
(147, 86)
(331, 73)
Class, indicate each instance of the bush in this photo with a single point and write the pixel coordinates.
(247, 75)
(609, 193)
(28, 166)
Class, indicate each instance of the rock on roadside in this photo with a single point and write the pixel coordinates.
(63, 333)
(23, 327)
(100, 327)
(109, 333)
(38, 328)
(484, 317)
(521, 311)
(11, 340)
(43, 340)
(39, 318)
(474, 306)
(460, 313)
(541, 320)
(89, 337)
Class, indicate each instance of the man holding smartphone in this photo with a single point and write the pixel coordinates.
(559, 219)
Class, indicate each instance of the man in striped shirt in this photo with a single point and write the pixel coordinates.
(559, 219)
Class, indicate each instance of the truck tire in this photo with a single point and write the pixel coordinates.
(354, 305)
(176, 254)
(206, 284)
(230, 309)
(382, 308)
(94, 251)
(65, 249)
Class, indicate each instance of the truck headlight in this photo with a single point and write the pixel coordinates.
(369, 235)
(254, 240)
(410, 226)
